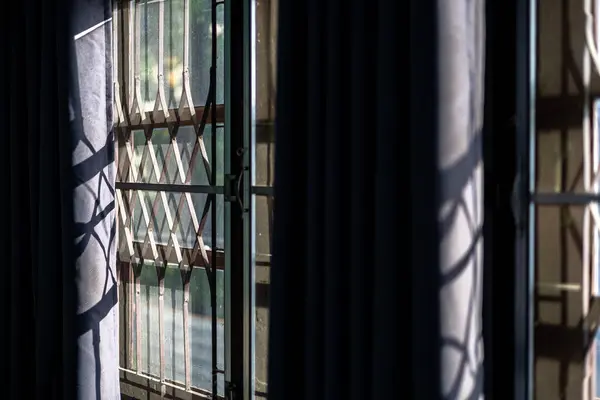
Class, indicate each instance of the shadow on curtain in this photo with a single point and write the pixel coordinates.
(376, 284)
(59, 287)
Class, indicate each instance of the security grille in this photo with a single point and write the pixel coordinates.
(169, 116)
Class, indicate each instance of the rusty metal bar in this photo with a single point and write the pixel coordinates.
(173, 188)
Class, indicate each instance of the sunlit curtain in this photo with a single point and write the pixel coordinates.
(57, 238)
(377, 261)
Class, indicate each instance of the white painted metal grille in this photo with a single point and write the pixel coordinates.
(168, 81)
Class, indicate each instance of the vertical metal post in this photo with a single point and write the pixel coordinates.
(138, 319)
(227, 162)
(186, 277)
(213, 142)
(588, 226)
(160, 272)
(525, 186)
(249, 182)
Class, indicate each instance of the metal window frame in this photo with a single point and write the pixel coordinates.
(526, 46)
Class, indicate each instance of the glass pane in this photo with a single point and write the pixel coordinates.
(558, 302)
(126, 317)
(264, 175)
(150, 362)
(265, 154)
(266, 90)
(201, 328)
(200, 46)
(174, 345)
(264, 224)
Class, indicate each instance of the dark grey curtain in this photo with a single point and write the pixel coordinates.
(377, 268)
(57, 238)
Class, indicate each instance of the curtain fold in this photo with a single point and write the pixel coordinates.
(59, 287)
(377, 248)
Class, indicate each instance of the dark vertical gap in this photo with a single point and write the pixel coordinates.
(236, 249)
(424, 234)
(499, 173)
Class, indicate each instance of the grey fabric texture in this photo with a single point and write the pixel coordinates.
(94, 203)
(461, 38)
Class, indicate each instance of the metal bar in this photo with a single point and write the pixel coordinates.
(163, 196)
(118, 107)
(131, 54)
(249, 270)
(579, 199)
(137, 108)
(160, 273)
(130, 314)
(186, 34)
(228, 166)
(186, 277)
(186, 178)
(138, 319)
(587, 224)
(197, 392)
(186, 95)
(213, 181)
(526, 60)
(172, 188)
(191, 257)
(563, 287)
(182, 118)
(161, 110)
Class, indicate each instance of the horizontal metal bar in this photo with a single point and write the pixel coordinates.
(167, 187)
(179, 120)
(263, 190)
(563, 287)
(565, 198)
(198, 392)
(186, 253)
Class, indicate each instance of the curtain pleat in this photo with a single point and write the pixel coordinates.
(58, 298)
(376, 278)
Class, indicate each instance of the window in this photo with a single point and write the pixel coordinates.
(195, 194)
(169, 112)
(563, 239)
